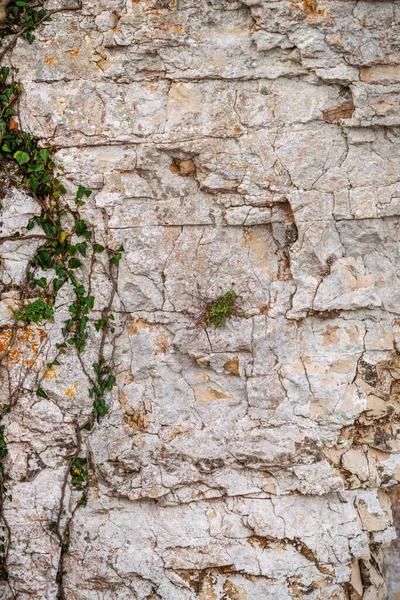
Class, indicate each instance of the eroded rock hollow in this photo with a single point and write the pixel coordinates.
(246, 145)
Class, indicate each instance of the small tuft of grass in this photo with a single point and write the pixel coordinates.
(35, 312)
(220, 309)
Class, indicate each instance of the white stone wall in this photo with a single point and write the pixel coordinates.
(251, 144)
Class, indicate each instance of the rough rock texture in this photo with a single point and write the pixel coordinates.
(252, 144)
(393, 552)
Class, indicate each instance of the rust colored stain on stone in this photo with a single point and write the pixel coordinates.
(232, 366)
(336, 113)
(183, 167)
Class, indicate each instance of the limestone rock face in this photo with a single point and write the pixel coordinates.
(246, 144)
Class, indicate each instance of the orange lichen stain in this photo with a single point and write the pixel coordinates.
(27, 345)
(236, 129)
(5, 337)
(50, 374)
(72, 121)
(135, 1)
(30, 362)
(14, 356)
(74, 53)
(232, 165)
(49, 60)
(70, 393)
(35, 347)
(310, 6)
(175, 28)
(25, 335)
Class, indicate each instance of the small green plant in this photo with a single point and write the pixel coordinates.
(35, 312)
(23, 16)
(3, 447)
(78, 472)
(68, 246)
(105, 382)
(3, 477)
(220, 309)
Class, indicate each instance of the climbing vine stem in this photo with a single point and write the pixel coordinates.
(66, 251)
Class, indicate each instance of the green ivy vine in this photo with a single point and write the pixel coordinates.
(67, 241)
(23, 15)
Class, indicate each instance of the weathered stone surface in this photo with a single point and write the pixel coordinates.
(250, 144)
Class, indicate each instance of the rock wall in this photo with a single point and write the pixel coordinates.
(249, 145)
(392, 553)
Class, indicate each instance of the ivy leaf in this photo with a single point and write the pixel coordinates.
(44, 154)
(21, 157)
(42, 394)
(82, 248)
(98, 248)
(57, 284)
(74, 263)
(111, 382)
(115, 259)
(67, 326)
(83, 191)
(60, 271)
(63, 236)
(80, 226)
